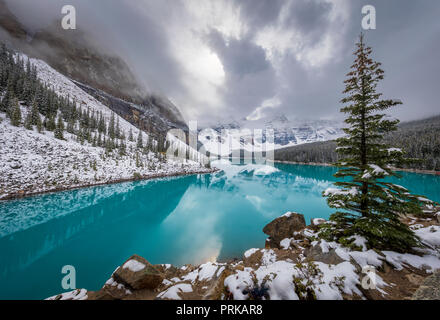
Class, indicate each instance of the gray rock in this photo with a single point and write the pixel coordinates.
(147, 277)
(315, 254)
(15, 166)
(284, 227)
(429, 289)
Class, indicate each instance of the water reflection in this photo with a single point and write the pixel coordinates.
(177, 220)
(83, 231)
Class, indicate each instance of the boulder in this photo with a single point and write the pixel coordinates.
(284, 227)
(315, 253)
(137, 273)
(430, 288)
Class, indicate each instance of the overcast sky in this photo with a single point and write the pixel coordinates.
(256, 58)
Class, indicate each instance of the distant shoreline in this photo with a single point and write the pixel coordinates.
(18, 195)
(431, 172)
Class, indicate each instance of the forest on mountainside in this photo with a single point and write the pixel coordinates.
(419, 139)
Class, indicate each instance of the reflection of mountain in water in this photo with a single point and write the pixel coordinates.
(282, 176)
(82, 211)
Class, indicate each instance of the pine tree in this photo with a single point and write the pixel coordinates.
(28, 121)
(139, 140)
(59, 128)
(39, 124)
(122, 148)
(35, 115)
(130, 135)
(49, 123)
(111, 127)
(117, 130)
(15, 113)
(367, 204)
(6, 101)
(71, 125)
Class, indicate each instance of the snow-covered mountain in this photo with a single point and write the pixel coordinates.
(33, 161)
(242, 134)
(100, 72)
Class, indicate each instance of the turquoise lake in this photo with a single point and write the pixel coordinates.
(182, 220)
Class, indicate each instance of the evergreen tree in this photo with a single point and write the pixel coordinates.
(34, 114)
(130, 135)
(367, 204)
(28, 121)
(101, 124)
(139, 140)
(59, 128)
(39, 124)
(117, 130)
(122, 148)
(6, 101)
(49, 123)
(15, 113)
(111, 127)
(71, 125)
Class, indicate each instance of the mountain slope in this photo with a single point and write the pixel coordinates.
(33, 161)
(75, 56)
(241, 134)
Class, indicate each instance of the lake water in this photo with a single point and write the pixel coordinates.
(189, 219)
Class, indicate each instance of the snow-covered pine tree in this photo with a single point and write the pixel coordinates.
(111, 127)
(49, 123)
(140, 144)
(28, 121)
(59, 128)
(15, 113)
(368, 205)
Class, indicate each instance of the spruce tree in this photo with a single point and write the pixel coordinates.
(15, 113)
(34, 114)
(6, 101)
(368, 204)
(59, 128)
(111, 127)
(117, 130)
(50, 123)
(139, 140)
(28, 121)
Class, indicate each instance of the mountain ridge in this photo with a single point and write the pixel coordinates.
(418, 138)
(76, 57)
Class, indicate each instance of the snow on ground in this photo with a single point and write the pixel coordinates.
(64, 87)
(77, 294)
(36, 162)
(172, 292)
(33, 162)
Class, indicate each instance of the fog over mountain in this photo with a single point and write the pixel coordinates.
(254, 58)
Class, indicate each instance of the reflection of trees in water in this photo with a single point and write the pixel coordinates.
(308, 171)
(149, 203)
(24, 213)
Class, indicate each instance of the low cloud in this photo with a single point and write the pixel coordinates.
(230, 57)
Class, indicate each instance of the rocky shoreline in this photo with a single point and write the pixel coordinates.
(23, 194)
(295, 264)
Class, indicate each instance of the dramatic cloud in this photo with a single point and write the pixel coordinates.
(257, 58)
